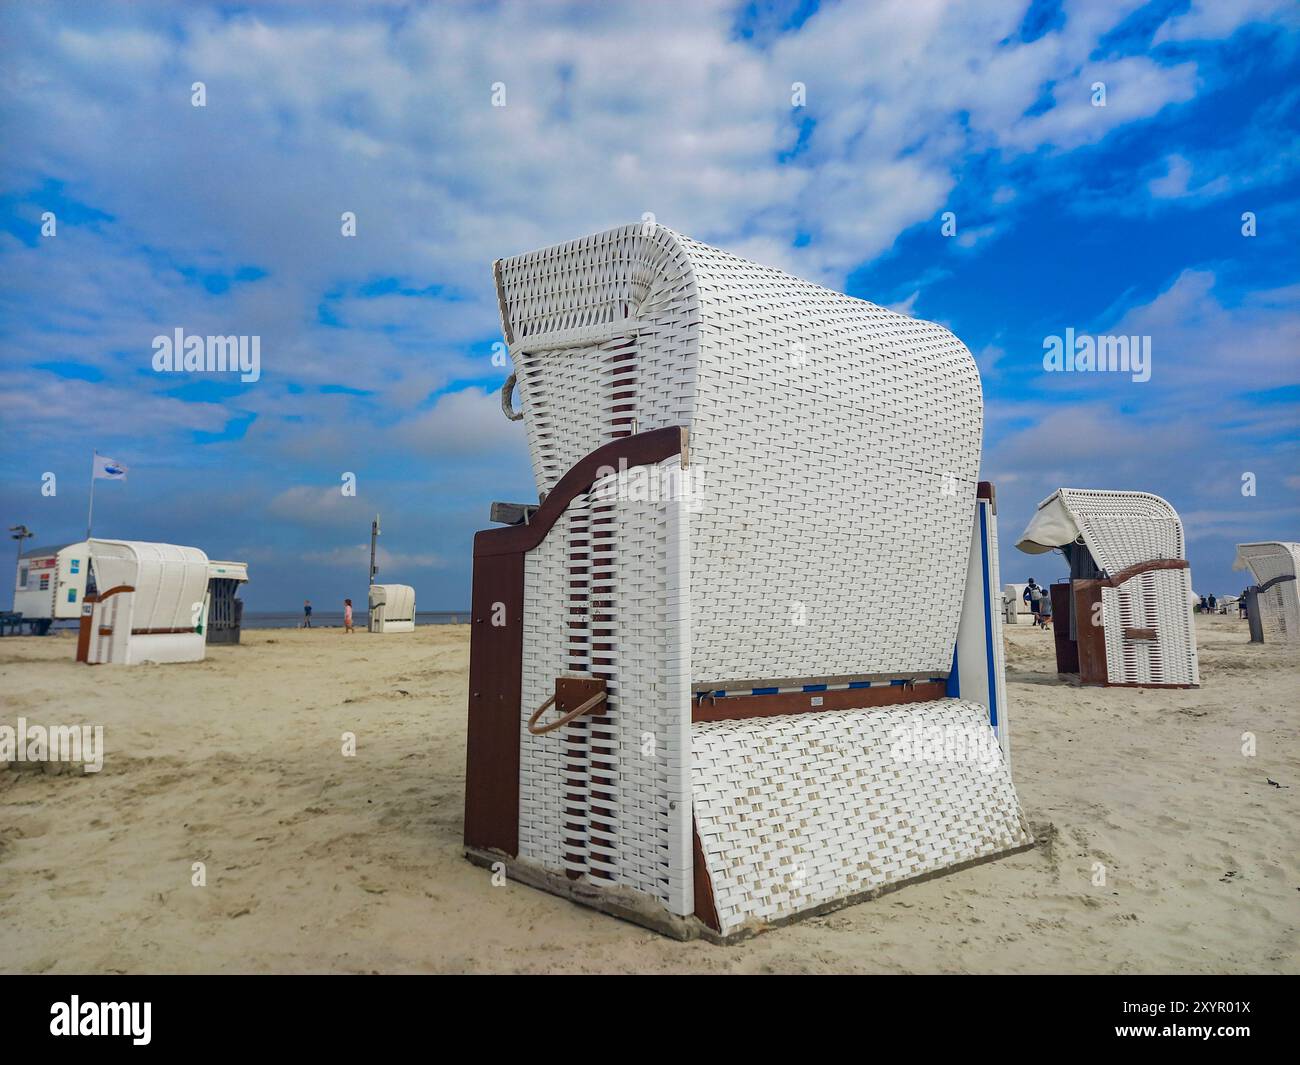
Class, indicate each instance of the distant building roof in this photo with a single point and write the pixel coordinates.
(41, 552)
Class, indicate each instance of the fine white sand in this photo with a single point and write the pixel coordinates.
(317, 862)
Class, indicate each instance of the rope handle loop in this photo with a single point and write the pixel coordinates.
(507, 390)
(560, 722)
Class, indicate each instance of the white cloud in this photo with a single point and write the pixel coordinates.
(386, 561)
(469, 422)
(1214, 19)
(905, 306)
(1174, 181)
(317, 505)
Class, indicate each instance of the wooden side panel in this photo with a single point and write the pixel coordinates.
(83, 632)
(1067, 651)
(496, 651)
(495, 680)
(1092, 638)
(706, 909)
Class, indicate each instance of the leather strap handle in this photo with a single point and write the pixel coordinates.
(507, 390)
(560, 722)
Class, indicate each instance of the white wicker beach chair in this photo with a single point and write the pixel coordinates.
(1274, 601)
(148, 605)
(713, 682)
(1125, 618)
(391, 608)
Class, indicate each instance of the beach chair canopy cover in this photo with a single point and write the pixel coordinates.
(169, 581)
(834, 446)
(230, 571)
(1268, 559)
(1120, 529)
(1274, 564)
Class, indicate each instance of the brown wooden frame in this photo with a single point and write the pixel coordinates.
(1092, 638)
(738, 707)
(83, 628)
(1272, 581)
(496, 650)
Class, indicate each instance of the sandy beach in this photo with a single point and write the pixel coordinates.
(316, 862)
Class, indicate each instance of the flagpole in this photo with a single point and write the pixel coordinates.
(90, 514)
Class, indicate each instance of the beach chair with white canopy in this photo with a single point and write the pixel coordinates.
(1274, 600)
(1128, 617)
(148, 604)
(392, 608)
(694, 700)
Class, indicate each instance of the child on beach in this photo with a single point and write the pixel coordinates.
(347, 615)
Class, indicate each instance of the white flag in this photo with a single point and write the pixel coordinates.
(109, 469)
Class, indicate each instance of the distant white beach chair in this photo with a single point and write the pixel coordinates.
(392, 608)
(1015, 610)
(1125, 617)
(147, 605)
(1273, 603)
(713, 674)
(223, 610)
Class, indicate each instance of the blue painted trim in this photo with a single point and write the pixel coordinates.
(988, 616)
(814, 687)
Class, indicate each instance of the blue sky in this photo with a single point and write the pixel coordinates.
(376, 349)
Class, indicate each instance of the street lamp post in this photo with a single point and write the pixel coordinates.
(19, 533)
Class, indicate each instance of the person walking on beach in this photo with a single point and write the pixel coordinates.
(1045, 608)
(306, 613)
(1214, 604)
(1241, 604)
(1033, 595)
(347, 616)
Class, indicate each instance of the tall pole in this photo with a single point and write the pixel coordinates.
(374, 535)
(90, 514)
(19, 533)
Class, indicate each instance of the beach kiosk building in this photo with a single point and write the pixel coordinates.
(147, 606)
(1125, 615)
(392, 608)
(51, 584)
(692, 700)
(1273, 602)
(223, 610)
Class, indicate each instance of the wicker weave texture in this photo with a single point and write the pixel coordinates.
(607, 798)
(544, 775)
(1159, 600)
(834, 444)
(1279, 606)
(801, 810)
(1122, 529)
